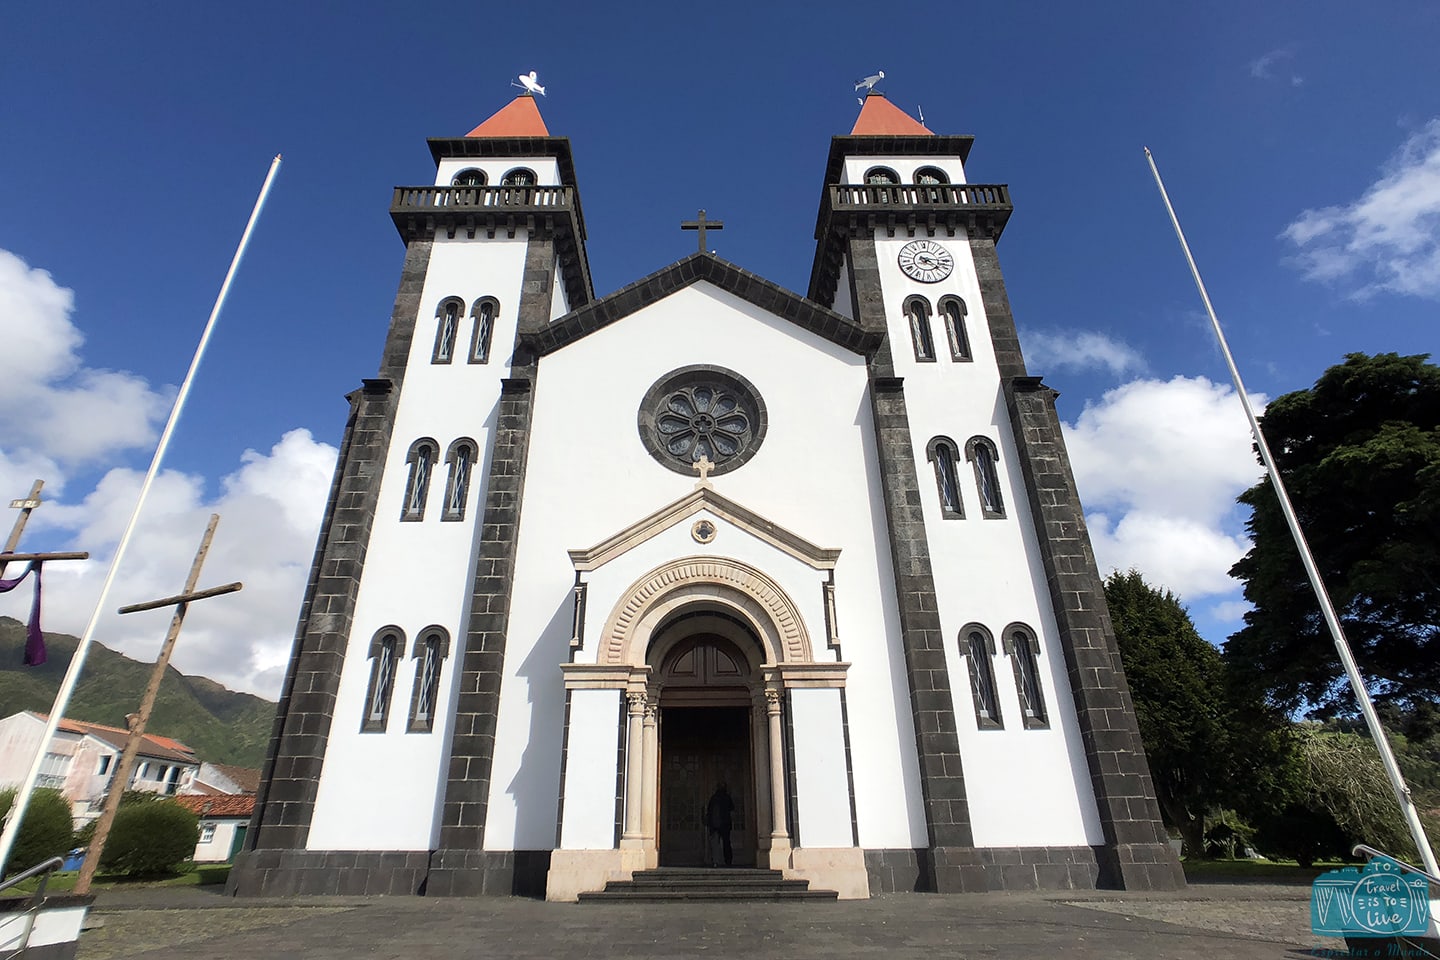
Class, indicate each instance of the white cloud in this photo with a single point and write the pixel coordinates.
(1081, 350)
(1389, 239)
(1265, 66)
(1158, 465)
(60, 414)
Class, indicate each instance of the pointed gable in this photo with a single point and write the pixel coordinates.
(881, 118)
(518, 118)
(808, 314)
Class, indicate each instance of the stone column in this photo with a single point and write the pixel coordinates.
(634, 773)
(649, 779)
(779, 836)
(760, 765)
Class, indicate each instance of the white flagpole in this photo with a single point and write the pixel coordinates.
(72, 675)
(1337, 633)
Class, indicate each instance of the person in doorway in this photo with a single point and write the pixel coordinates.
(719, 814)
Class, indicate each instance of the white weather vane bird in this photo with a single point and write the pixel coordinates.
(530, 83)
(869, 82)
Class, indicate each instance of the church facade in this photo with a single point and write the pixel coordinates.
(552, 609)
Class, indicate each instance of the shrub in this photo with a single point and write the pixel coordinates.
(150, 838)
(46, 831)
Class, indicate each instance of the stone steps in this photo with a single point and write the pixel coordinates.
(730, 884)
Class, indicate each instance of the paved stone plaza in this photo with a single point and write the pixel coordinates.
(1209, 922)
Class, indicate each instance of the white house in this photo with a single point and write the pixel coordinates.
(81, 759)
(586, 558)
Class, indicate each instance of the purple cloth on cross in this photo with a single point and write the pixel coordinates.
(34, 639)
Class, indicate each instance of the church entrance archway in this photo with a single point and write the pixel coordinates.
(706, 696)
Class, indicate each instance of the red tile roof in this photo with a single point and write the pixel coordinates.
(880, 117)
(518, 118)
(221, 805)
(161, 748)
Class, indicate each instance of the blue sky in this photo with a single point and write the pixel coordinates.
(1300, 143)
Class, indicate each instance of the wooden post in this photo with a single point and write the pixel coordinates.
(137, 721)
(24, 506)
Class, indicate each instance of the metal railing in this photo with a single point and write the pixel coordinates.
(37, 899)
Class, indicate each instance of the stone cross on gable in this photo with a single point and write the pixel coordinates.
(701, 224)
(703, 466)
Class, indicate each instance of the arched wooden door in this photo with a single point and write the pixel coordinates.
(705, 737)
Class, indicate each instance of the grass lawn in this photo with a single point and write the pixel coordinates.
(63, 881)
(1253, 871)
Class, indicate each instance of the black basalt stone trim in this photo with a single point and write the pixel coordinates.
(290, 777)
(1136, 854)
(345, 873)
(986, 868)
(472, 743)
(996, 302)
(932, 707)
(749, 287)
(488, 873)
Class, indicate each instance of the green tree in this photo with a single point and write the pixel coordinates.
(1208, 749)
(150, 838)
(45, 832)
(1360, 454)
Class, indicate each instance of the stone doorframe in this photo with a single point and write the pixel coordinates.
(739, 603)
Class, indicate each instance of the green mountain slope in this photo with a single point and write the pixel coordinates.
(220, 725)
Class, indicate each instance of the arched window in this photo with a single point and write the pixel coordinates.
(946, 456)
(1024, 652)
(953, 310)
(879, 179)
(461, 458)
(981, 453)
(520, 177)
(978, 648)
(385, 648)
(917, 311)
(484, 313)
(431, 649)
(447, 328)
(932, 176)
(469, 177)
(422, 457)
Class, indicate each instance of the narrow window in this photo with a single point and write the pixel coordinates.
(469, 177)
(447, 326)
(383, 651)
(461, 458)
(1024, 652)
(917, 311)
(945, 455)
(431, 649)
(417, 486)
(978, 647)
(104, 765)
(953, 310)
(484, 313)
(982, 455)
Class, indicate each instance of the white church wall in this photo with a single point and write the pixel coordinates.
(822, 789)
(855, 167)
(1025, 787)
(559, 301)
(588, 821)
(588, 475)
(547, 169)
(418, 573)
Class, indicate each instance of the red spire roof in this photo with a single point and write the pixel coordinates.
(518, 118)
(881, 118)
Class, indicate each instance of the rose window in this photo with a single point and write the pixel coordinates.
(702, 412)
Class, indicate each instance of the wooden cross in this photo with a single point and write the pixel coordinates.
(26, 506)
(701, 224)
(703, 466)
(137, 721)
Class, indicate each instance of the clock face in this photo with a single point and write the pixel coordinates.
(926, 261)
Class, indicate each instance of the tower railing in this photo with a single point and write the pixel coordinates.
(919, 194)
(502, 197)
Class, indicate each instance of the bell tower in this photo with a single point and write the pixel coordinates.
(985, 527)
